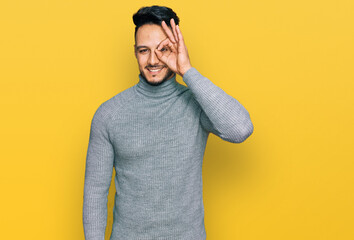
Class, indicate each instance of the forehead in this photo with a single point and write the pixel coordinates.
(150, 35)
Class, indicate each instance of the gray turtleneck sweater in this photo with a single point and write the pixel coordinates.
(155, 138)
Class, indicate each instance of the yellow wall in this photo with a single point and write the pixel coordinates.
(290, 63)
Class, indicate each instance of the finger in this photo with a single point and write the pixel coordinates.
(158, 54)
(179, 34)
(168, 31)
(168, 43)
(163, 58)
(163, 43)
(173, 24)
(181, 44)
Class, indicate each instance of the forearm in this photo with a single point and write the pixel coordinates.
(94, 214)
(221, 113)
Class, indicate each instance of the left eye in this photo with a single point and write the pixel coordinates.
(163, 49)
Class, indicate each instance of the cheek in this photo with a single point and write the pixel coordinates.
(142, 60)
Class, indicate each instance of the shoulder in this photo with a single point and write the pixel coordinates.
(110, 107)
(186, 93)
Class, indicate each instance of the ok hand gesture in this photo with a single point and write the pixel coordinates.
(177, 58)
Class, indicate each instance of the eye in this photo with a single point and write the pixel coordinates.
(143, 51)
(163, 49)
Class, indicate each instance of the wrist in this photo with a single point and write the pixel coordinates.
(185, 70)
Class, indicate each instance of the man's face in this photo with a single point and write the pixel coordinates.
(148, 37)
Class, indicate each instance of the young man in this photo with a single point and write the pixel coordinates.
(154, 134)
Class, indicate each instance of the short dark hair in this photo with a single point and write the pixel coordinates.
(154, 15)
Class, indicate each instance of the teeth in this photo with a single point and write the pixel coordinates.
(155, 70)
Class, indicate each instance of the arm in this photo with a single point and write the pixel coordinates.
(98, 174)
(221, 114)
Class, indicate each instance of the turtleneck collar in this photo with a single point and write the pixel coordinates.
(164, 89)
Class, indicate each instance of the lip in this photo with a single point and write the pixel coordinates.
(155, 72)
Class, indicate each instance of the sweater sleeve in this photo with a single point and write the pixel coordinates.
(221, 114)
(98, 175)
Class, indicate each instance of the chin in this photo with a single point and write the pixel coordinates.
(157, 81)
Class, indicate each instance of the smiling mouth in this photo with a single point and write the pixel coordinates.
(154, 69)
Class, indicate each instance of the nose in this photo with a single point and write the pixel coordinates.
(153, 60)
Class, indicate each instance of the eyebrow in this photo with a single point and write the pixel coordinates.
(138, 47)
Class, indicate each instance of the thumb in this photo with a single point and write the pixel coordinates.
(158, 54)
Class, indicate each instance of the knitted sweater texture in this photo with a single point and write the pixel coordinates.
(155, 138)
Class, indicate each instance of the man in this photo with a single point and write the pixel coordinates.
(154, 134)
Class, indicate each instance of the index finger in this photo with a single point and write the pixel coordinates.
(168, 32)
(166, 42)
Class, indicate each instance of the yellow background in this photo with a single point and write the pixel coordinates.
(290, 63)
